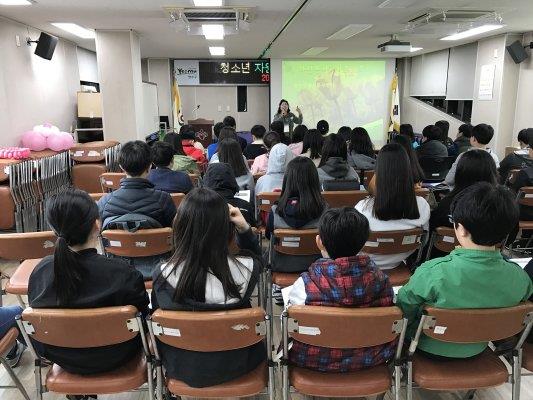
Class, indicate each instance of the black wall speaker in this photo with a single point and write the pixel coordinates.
(242, 98)
(517, 52)
(46, 46)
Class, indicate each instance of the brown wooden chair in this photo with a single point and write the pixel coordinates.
(265, 201)
(348, 198)
(97, 196)
(396, 242)
(195, 179)
(6, 344)
(87, 328)
(342, 328)
(258, 175)
(469, 326)
(111, 181)
(524, 198)
(443, 239)
(87, 176)
(177, 198)
(367, 176)
(214, 331)
(28, 248)
(423, 192)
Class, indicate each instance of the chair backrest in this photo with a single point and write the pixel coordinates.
(195, 179)
(96, 196)
(296, 242)
(335, 185)
(423, 192)
(265, 200)
(367, 176)
(143, 243)
(81, 328)
(87, 176)
(24, 246)
(210, 331)
(436, 168)
(394, 242)
(476, 325)
(177, 198)
(258, 175)
(445, 240)
(525, 196)
(344, 328)
(111, 180)
(348, 198)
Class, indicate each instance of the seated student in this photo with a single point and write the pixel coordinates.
(431, 145)
(203, 275)
(462, 142)
(407, 130)
(188, 140)
(334, 168)
(519, 159)
(260, 164)
(212, 148)
(297, 140)
(182, 162)
(299, 207)
(162, 177)
(473, 167)
(345, 133)
(136, 194)
(196, 144)
(230, 122)
(76, 276)
(229, 152)
(361, 155)
(445, 128)
(220, 178)
(278, 158)
(313, 142)
(393, 205)
(525, 178)
(225, 133)
(416, 170)
(342, 278)
(257, 147)
(323, 127)
(473, 276)
(279, 128)
(7, 321)
(481, 136)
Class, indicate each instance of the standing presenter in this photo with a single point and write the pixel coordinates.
(288, 118)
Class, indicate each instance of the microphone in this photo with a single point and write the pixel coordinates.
(197, 107)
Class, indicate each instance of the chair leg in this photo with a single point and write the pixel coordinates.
(380, 396)
(470, 394)
(14, 378)
(159, 372)
(397, 381)
(38, 382)
(150, 381)
(409, 380)
(516, 376)
(20, 301)
(271, 386)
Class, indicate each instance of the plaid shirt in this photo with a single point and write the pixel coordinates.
(344, 282)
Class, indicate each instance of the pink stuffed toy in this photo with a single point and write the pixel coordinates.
(47, 136)
(14, 153)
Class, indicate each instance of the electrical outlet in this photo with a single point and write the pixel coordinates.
(227, 108)
(495, 53)
(17, 40)
(220, 108)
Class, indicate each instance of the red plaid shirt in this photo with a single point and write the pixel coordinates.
(344, 282)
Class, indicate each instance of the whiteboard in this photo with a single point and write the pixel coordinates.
(150, 109)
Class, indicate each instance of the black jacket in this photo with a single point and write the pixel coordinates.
(513, 161)
(524, 178)
(432, 148)
(137, 196)
(462, 144)
(170, 181)
(254, 150)
(106, 283)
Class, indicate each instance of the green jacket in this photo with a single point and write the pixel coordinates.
(185, 164)
(462, 279)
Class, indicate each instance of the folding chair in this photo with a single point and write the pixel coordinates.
(524, 198)
(348, 198)
(6, 344)
(396, 242)
(527, 361)
(367, 176)
(443, 238)
(436, 168)
(87, 328)
(204, 331)
(342, 328)
(87, 176)
(195, 179)
(142, 243)
(469, 326)
(28, 248)
(96, 196)
(111, 181)
(423, 192)
(177, 198)
(263, 204)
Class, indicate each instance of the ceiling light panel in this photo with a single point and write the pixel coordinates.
(348, 31)
(397, 3)
(15, 3)
(213, 32)
(217, 51)
(413, 49)
(75, 29)
(473, 32)
(208, 3)
(313, 51)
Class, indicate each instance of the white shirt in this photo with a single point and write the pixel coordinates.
(450, 177)
(391, 261)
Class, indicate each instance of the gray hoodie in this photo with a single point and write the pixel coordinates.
(361, 161)
(336, 168)
(280, 156)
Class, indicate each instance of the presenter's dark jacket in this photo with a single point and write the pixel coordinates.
(290, 119)
(432, 148)
(106, 282)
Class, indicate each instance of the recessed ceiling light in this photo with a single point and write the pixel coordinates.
(313, 51)
(396, 3)
(15, 3)
(217, 51)
(348, 31)
(413, 49)
(75, 29)
(208, 3)
(213, 32)
(473, 32)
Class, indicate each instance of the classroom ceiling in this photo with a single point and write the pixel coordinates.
(317, 20)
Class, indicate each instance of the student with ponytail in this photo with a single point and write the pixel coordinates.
(76, 276)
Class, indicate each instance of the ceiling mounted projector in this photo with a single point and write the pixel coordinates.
(395, 46)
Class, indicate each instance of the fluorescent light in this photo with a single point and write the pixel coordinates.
(15, 3)
(413, 49)
(313, 51)
(217, 51)
(213, 32)
(348, 31)
(473, 32)
(75, 29)
(208, 3)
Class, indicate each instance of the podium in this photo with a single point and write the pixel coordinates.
(203, 130)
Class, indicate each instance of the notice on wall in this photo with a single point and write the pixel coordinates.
(486, 82)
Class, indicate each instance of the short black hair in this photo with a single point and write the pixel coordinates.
(343, 231)
(344, 132)
(483, 133)
(407, 130)
(432, 132)
(487, 212)
(444, 127)
(529, 135)
(218, 126)
(162, 154)
(258, 131)
(322, 126)
(229, 121)
(299, 133)
(271, 139)
(135, 157)
(466, 130)
(277, 126)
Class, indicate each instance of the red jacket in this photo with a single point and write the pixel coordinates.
(191, 151)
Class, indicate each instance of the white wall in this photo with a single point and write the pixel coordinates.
(159, 73)
(87, 65)
(524, 115)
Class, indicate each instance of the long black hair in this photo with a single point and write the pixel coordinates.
(334, 146)
(202, 234)
(474, 166)
(229, 151)
(71, 215)
(394, 197)
(313, 141)
(416, 169)
(279, 106)
(301, 182)
(360, 142)
(175, 140)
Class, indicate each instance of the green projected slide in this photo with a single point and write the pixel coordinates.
(343, 92)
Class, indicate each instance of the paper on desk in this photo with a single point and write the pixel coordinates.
(243, 195)
(521, 261)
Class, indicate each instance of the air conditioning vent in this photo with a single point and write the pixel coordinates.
(210, 16)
